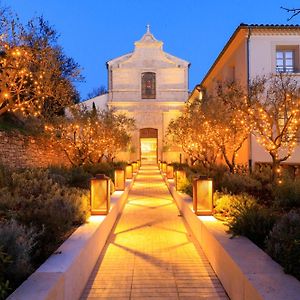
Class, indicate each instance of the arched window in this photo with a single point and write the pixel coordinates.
(148, 85)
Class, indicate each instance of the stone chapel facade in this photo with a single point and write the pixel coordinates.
(151, 86)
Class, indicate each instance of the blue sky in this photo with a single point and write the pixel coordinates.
(93, 32)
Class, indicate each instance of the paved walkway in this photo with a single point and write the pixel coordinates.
(151, 254)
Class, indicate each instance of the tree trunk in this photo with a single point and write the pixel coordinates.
(275, 168)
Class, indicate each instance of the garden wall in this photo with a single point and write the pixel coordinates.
(21, 151)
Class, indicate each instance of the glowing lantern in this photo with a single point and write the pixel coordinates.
(203, 196)
(170, 172)
(180, 178)
(160, 163)
(138, 164)
(128, 172)
(164, 167)
(100, 195)
(134, 167)
(119, 179)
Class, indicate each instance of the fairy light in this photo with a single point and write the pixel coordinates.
(87, 139)
(23, 98)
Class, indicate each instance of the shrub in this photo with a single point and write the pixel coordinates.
(283, 243)
(35, 199)
(199, 169)
(178, 166)
(227, 205)
(186, 187)
(16, 244)
(4, 283)
(79, 177)
(101, 168)
(252, 221)
(263, 174)
(287, 194)
(72, 177)
(5, 176)
(217, 172)
(237, 184)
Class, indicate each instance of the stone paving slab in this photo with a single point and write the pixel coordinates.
(151, 254)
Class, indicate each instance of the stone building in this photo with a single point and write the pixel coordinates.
(151, 86)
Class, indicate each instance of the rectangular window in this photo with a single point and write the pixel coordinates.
(285, 61)
(287, 58)
(148, 85)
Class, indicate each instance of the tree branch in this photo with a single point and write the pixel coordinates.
(294, 11)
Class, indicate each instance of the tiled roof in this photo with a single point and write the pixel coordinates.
(271, 25)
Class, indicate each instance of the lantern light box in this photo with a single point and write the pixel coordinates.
(180, 179)
(119, 179)
(170, 172)
(164, 167)
(134, 167)
(203, 196)
(100, 195)
(128, 172)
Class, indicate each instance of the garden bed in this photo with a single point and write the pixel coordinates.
(253, 205)
(245, 271)
(39, 210)
(65, 274)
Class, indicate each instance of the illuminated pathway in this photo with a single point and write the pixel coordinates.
(150, 254)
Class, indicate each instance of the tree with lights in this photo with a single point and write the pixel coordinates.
(116, 128)
(91, 136)
(36, 78)
(192, 132)
(273, 105)
(213, 126)
(230, 126)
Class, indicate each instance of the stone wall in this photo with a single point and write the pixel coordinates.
(21, 151)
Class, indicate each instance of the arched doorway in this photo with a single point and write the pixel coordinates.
(148, 145)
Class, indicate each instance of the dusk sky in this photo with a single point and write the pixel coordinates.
(93, 32)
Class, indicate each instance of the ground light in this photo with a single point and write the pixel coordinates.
(128, 171)
(203, 196)
(164, 167)
(119, 179)
(100, 195)
(134, 167)
(170, 171)
(180, 178)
